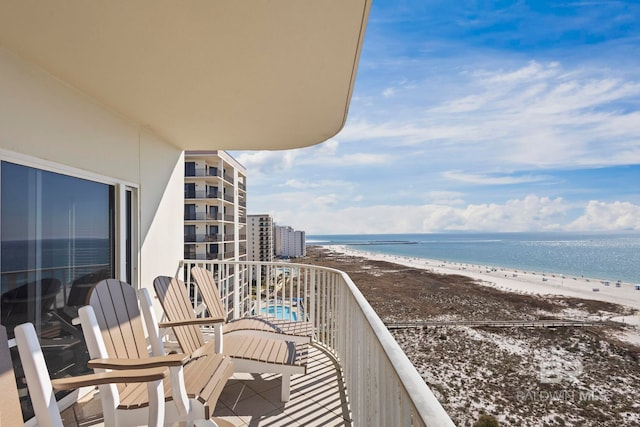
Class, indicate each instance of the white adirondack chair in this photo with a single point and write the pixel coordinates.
(299, 332)
(41, 388)
(250, 353)
(113, 328)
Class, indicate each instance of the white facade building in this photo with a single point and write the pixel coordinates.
(260, 238)
(289, 243)
(215, 207)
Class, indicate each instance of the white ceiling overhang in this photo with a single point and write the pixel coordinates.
(203, 74)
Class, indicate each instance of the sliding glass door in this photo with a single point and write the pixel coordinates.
(58, 238)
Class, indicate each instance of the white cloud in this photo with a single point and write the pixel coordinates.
(264, 162)
(533, 71)
(599, 216)
(329, 155)
(326, 215)
(261, 164)
(329, 147)
(336, 212)
(462, 105)
(388, 92)
(492, 179)
(532, 213)
(331, 184)
(294, 183)
(483, 127)
(534, 116)
(360, 159)
(448, 198)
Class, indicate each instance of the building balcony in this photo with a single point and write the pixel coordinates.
(357, 373)
(202, 238)
(210, 174)
(202, 172)
(201, 195)
(203, 216)
(212, 238)
(227, 178)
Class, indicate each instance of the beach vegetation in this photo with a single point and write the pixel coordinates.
(479, 370)
(486, 420)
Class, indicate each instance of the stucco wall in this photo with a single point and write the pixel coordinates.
(44, 120)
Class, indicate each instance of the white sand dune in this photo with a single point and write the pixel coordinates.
(527, 282)
(469, 383)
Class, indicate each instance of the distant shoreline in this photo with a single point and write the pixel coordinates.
(478, 369)
(602, 256)
(514, 280)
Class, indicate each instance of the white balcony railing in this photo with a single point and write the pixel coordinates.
(202, 216)
(383, 387)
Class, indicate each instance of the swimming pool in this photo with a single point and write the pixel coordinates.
(280, 312)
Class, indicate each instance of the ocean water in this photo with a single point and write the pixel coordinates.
(599, 256)
(62, 259)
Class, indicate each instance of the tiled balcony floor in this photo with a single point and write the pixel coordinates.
(317, 399)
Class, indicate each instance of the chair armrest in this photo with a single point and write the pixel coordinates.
(147, 362)
(196, 321)
(112, 377)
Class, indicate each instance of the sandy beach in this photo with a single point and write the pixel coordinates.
(475, 370)
(525, 282)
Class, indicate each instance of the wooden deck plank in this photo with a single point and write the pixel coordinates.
(312, 402)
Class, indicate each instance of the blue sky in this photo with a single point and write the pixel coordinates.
(475, 116)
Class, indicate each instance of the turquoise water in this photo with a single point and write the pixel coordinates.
(280, 312)
(599, 256)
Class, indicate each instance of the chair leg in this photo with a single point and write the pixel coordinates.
(286, 387)
(156, 403)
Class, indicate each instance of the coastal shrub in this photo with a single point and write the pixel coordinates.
(486, 420)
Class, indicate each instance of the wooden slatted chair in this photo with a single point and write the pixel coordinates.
(41, 388)
(250, 353)
(114, 332)
(268, 327)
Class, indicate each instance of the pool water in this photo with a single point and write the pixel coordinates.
(280, 312)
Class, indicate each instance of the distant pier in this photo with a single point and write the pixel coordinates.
(494, 323)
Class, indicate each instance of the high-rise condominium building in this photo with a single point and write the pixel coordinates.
(215, 206)
(260, 238)
(289, 243)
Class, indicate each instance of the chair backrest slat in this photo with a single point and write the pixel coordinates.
(116, 309)
(209, 291)
(175, 302)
